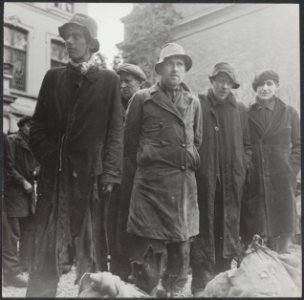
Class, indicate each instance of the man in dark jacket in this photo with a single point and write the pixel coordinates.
(131, 80)
(77, 137)
(162, 135)
(16, 220)
(19, 194)
(269, 205)
(225, 155)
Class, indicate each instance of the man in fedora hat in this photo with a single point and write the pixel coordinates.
(163, 131)
(77, 137)
(19, 195)
(225, 156)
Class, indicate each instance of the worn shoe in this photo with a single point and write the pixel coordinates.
(17, 281)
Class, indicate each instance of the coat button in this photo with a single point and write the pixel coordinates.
(182, 168)
(161, 143)
(216, 128)
(183, 145)
(161, 124)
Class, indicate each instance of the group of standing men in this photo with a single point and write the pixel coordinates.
(178, 178)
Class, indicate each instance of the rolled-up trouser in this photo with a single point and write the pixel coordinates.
(148, 264)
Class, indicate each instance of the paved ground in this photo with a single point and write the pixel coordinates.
(66, 288)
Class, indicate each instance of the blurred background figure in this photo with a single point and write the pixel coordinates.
(20, 199)
(132, 79)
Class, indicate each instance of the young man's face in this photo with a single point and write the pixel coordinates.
(173, 71)
(129, 85)
(267, 89)
(222, 85)
(77, 46)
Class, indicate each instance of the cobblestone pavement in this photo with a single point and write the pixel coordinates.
(67, 288)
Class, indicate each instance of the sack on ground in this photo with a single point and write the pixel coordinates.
(107, 285)
(262, 273)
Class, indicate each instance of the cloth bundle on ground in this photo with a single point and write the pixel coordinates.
(262, 273)
(107, 285)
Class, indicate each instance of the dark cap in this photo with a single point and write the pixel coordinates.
(87, 23)
(224, 67)
(262, 77)
(133, 70)
(23, 121)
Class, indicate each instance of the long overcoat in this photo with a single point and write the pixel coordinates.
(269, 205)
(77, 137)
(225, 154)
(18, 201)
(161, 140)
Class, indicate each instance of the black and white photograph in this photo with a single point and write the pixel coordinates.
(151, 150)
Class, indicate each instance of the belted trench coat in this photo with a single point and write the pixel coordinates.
(77, 137)
(161, 140)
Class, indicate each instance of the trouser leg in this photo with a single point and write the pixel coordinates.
(44, 281)
(120, 266)
(44, 278)
(25, 245)
(14, 236)
(10, 262)
(176, 273)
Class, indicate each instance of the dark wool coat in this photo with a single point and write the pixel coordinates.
(269, 205)
(164, 140)
(17, 200)
(77, 137)
(225, 152)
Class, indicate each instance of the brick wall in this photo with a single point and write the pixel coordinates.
(252, 38)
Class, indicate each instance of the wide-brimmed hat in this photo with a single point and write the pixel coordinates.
(224, 67)
(262, 77)
(173, 49)
(87, 23)
(133, 70)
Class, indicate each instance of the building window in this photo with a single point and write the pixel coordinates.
(59, 55)
(15, 47)
(68, 7)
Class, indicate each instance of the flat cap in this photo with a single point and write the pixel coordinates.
(133, 70)
(262, 77)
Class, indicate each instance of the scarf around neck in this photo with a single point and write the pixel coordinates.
(85, 66)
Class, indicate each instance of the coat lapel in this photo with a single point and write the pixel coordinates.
(161, 99)
(255, 117)
(276, 118)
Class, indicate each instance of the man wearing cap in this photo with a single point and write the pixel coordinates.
(132, 78)
(225, 156)
(77, 137)
(162, 134)
(269, 204)
(18, 197)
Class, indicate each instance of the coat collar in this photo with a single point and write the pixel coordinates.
(214, 102)
(159, 97)
(91, 74)
(254, 116)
